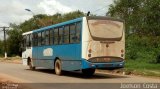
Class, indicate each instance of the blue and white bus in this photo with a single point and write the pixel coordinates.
(86, 43)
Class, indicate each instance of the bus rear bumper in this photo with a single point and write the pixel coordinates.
(108, 65)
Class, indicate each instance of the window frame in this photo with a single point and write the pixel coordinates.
(60, 35)
(47, 37)
(51, 36)
(56, 36)
(68, 34)
(39, 38)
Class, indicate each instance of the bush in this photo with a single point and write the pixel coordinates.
(143, 48)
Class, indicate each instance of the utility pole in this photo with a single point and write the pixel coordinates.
(5, 45)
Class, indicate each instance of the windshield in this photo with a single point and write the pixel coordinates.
(106, 29)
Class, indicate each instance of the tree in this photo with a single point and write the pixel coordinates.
(141, 16)
(142, 27)
(14, 40)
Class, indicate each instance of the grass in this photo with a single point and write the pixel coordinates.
(142, 67)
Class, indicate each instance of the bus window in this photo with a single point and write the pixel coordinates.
(78, 32)
(35, 39)
(72, 33)
(56, 36)
(61, 35)
(43, 38)
(51, 40)
(66, 34)
(28, 41)
(39, 39)
(23, 42)
(47, 37)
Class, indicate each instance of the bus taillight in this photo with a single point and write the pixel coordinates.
(122, 51)
(89, 55)
(89, 50)
(122, 55)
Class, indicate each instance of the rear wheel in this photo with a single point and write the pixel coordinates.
(31, 67)
(88, 72)
(58, 67)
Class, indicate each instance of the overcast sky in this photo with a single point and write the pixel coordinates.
(13, 11)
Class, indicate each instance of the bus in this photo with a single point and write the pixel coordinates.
(86, 43)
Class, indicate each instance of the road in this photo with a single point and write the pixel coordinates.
(44, 76)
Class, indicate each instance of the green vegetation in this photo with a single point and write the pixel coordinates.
(142, 68)
(142, 34)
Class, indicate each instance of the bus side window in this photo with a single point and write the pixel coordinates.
(56, 36)
(60, 35)
(72, 33)
(43, 38)
(47, 37)
(23, 45)
(39, 39)
(78, 32)
(51, 34)
(66, 34)
(35, 39)
(24, 41)
(28, 42)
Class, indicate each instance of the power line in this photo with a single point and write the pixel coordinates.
(99, 9)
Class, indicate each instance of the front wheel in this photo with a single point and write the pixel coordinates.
(58, 67)
(88, 72)
(31, 67)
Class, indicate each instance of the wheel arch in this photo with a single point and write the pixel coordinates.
(56, 58)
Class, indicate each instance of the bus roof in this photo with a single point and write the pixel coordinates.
(68, 22)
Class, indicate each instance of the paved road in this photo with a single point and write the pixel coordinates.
(47, 76)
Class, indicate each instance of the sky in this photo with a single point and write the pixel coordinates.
(13, 11)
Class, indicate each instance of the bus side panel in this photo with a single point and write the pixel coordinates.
(43, 57)
(69, 57)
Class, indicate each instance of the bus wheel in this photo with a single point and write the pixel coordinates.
(88, 72)
(31, 67)
(58, 67)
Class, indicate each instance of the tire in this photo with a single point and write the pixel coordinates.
(58, 67)
(88, 72)
(31, 67)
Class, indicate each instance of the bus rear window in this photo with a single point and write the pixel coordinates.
(106, 29)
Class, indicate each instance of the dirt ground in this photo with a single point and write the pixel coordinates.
(8, 82)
